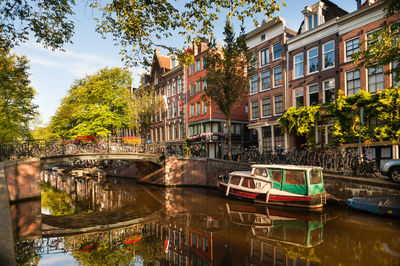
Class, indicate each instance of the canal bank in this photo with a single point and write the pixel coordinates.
(182, 171)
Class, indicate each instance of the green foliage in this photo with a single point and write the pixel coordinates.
(57, 202)
(383, 46)
(138, 25)
(300, 120)
(48, 20)
(187, 147)
(227, 82)
(382, 107)
(143, 104)
(95, 105)
(17, 110)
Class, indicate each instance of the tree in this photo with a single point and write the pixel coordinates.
(95, 105)
(383, 45)
(47, 20)
(227, 83)
(144, 104)
(17, 109)
(136, 26)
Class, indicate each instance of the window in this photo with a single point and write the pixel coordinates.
(293, 177)
(312, 21)
(191, 109)
(204, 85)
(313, 60)
(169, 114)
(173, 87)
(168, 90)
(329, 91)
(375, 79)
(248, 183)
(299, 97)
(264, 57)
(352, 47)
(263, 37)
(192, 89)
(372, 34)
(353, 82)
(313, 95)
(179, 85)
(266, 107)
(191, 69)
(329, 54)
(235, 180)
(265, 80)
(316, 177)
(254, 110)
(170, 132)
(298, 65)
(205, 107)
(255, 63)
(198, 87)
(175, 110)
(277, 51)
(176, 131)
(267, 137)
(278, 104)
(394, 83)
(276, 175)
(277, 76)
(254, 84)
(197, 65)
(198, 110)
(180, 108)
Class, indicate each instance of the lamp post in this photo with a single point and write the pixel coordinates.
(361, 114)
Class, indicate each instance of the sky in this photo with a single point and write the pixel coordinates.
(53, 72)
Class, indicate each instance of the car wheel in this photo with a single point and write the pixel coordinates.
(395, 174)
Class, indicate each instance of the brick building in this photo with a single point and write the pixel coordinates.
(206, 123)
(268, 81)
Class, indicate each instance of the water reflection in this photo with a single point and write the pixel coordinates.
(122, 223)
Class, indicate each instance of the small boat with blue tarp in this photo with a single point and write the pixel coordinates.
(288, 185)
(383, 205)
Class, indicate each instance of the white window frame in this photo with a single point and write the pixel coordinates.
(273, 51)
(327, 52)
(273, 73)
(346, 81)
(295, 96)
(283, 107)
(258, 110)
(262, 109)
(348, 59)
(392, 75)
(325, 89)
(311, 58)
(375, 74)
(370, 32)
(309, 94)
(251, 84)
(269, 77)
(265, 56)
(302, 64)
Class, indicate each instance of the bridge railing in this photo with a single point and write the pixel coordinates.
(53, 148)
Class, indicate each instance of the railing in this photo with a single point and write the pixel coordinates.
(52, 148)
(331, 159)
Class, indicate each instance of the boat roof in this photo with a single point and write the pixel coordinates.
(286, 166)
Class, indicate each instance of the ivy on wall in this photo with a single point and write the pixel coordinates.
(381, 117)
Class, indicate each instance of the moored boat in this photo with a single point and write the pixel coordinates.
(288, 185)
(383, 205)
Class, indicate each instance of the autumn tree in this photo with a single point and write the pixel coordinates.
(143, 105)
(17, 109)
(227, 83)
(95, 105)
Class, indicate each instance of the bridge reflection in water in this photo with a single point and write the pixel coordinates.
(120, 222)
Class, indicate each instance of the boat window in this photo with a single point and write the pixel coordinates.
(294, 177)
(260, 172)
(235, 180)
(248, 182)
(316, 177)
(277, 175)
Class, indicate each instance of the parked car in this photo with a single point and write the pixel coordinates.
(392, 169)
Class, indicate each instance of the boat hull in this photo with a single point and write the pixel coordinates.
(389, 206)
(314, 201)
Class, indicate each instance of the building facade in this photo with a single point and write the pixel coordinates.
(268, 82)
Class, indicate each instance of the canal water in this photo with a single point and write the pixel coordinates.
(120, 222)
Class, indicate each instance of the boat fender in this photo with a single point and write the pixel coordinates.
(227, 191)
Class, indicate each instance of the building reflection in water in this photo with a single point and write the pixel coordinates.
(188, 226)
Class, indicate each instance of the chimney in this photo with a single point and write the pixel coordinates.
(358, 4)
